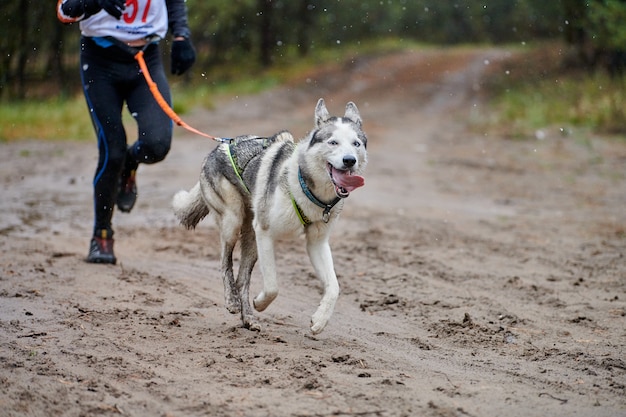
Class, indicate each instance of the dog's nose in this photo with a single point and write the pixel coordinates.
(349, 161)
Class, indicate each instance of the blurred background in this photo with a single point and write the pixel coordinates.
(270, 40)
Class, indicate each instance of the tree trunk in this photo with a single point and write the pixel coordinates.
(265, 32)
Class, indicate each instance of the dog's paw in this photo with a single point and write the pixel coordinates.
(251, 323)
(233, 308)
(233, 304)
(318, 323)
(263, 300)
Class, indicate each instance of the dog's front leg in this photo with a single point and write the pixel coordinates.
(267, 262)
(322, 261)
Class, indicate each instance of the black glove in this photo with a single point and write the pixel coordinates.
(183, 56)
(113, 7)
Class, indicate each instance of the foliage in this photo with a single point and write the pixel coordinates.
(607, 24)
(596, 28)
(35, 48)
(261, 41)
(66, 117)
(532, 91)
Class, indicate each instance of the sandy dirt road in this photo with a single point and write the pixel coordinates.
(480, 276)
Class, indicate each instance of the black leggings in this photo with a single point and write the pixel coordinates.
(110, 77)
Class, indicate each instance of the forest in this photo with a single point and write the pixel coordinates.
(36, 49)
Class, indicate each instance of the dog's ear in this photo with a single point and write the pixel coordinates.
(352, 113)
(321, 113)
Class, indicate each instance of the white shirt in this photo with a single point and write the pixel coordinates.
(140, 19)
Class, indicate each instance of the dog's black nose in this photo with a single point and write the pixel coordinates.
(349, 161)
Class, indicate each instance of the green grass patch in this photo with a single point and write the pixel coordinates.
(536, 90)
(58, 118)
(67, 118)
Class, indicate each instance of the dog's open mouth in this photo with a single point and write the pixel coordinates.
(345, 181)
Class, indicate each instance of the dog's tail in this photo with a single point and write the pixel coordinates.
(189, 207)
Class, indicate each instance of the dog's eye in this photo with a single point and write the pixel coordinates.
(356, 144)
(333, 142)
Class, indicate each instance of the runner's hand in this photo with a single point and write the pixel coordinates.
(112, 7)
(183, 56)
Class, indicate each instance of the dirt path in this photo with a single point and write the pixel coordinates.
(480, 276)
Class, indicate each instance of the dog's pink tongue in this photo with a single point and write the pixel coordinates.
(347, 180)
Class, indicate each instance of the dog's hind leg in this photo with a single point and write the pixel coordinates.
(267, 262)
(322, 261)
(229, 224)
(248, 259)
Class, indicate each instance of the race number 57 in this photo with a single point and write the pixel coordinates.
(132, 11)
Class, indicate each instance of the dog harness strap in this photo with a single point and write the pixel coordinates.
(327, 207)
(303, 218)
(235, 166)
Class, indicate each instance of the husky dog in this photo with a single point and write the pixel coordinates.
(262, 188)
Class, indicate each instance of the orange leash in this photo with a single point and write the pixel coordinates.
(154, 89)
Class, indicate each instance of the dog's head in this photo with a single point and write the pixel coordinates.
(341, 144)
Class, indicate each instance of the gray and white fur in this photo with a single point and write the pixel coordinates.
(252, 200)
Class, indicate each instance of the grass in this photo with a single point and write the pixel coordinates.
(66, 118)
(528, 92)
(57, 118)
(535, 90)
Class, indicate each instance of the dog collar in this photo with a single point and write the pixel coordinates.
(305, 189)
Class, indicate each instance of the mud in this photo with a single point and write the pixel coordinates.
(480, 276)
